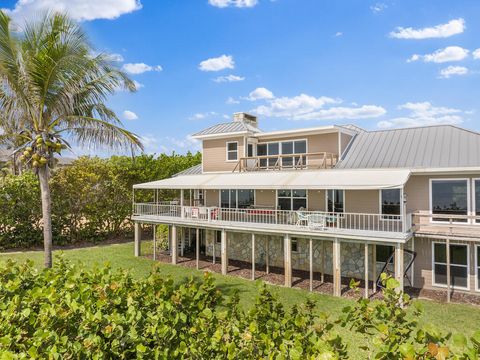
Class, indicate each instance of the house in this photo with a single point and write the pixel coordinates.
(334, 200)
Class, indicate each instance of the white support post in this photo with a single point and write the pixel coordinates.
(267, 257)
(337, 273)
(322, 269)
(447, 244)
(399, 266)
(287, 249)
(310, 253)
(174, 248)
(154, 242)
(253, 256)
(374, 268)
(366, 271)
(224, 254)
(138, 239)
(182, 213)
(197, 246)
(182, 240)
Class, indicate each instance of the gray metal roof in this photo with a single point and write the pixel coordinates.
(194, 170)
(229, 127)
(423, 147)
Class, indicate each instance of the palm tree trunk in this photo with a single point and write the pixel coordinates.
(43, 175)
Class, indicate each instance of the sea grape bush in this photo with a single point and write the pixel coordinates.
(68, 313)
(392, 332)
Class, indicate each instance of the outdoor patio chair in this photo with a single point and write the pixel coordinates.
(302, 218)
(317, 221)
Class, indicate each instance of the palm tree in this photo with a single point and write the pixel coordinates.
(54, 88)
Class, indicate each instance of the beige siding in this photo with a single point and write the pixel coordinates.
(423, 267)
(344, 141)
(316, 200)
(265, 198)
(362, 201)
(215, 154)
(212, 198)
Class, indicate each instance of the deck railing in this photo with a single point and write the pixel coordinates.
(315, 160)
(311, 220)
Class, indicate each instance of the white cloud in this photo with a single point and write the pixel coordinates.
(129, 115)
(138, 85)
(231, 101)
(233, 3)
(201, 116)
(292, 107)
(476, 54)
(450, 53)
(140, 68)
(78, 9)
(378, 7)
(453, 70)
(229, 78)
(336, 113)
(259, 94)
(217, 64)
(453, 27)
(424, 114)
(338, 34)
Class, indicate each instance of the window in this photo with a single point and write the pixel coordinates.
(458, 265)
(391, 203)
(476, 200)
(240, 199)
(232, 151)
(383, 253)
(273, 149)
(218, 237)
(294, 245)
(292, 199)
(199, 197)
(283, 148)
(249, 150)
(335, 201)
(449, 197)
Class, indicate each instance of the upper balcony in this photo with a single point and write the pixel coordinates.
(315, 160)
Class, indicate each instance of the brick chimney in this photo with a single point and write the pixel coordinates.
(246, 118)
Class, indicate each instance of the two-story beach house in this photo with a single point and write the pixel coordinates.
(333, 200)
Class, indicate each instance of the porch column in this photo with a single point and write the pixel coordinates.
(287, 249)
(399, 265)
(224, 254)
(182, 214)
(154, 242)
(366, 271)
(374, 268)
(337, 273)
(138, 239)
(197, 246)
(267, 257)
(447, 255)
(253, 256)
(174, 249)
(322, 269)
(310, 253)
(182, 240)
(214, 256)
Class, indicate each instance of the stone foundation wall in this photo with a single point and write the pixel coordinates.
(239, 248)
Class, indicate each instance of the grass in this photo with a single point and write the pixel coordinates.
(459, 318)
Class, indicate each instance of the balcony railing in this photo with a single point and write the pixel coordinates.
(306, 220)
(317, 160)
(446, 224)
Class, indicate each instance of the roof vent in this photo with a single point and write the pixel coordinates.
(246, 118)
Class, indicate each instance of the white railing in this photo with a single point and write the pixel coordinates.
(312, 220)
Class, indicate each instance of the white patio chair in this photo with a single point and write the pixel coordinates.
(302, 218)
(317, 221)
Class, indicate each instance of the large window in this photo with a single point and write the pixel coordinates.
(282, 148)
(232, 150)
(458, 265)
(240, 199)
(292, 199)
(336, 201)
(391, 203)
(449, 197)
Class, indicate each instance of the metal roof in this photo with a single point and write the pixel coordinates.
(443, 146)
(194, 170)
(326, 179)
(228, 127)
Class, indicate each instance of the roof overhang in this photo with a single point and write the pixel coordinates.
(277, 180)
(442, 171)
(221, 135)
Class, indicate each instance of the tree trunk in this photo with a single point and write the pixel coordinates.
(43, 175)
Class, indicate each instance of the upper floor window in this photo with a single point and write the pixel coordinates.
(240, 199)
(391, 203)
(336, 201)
(292, 199)
(272, 149)
(232, 150)
(449, 197)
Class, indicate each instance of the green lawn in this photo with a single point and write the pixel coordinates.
(447, 317)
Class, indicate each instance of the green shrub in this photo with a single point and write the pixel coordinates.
(68, 312)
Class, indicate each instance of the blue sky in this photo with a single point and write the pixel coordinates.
(296, 63)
